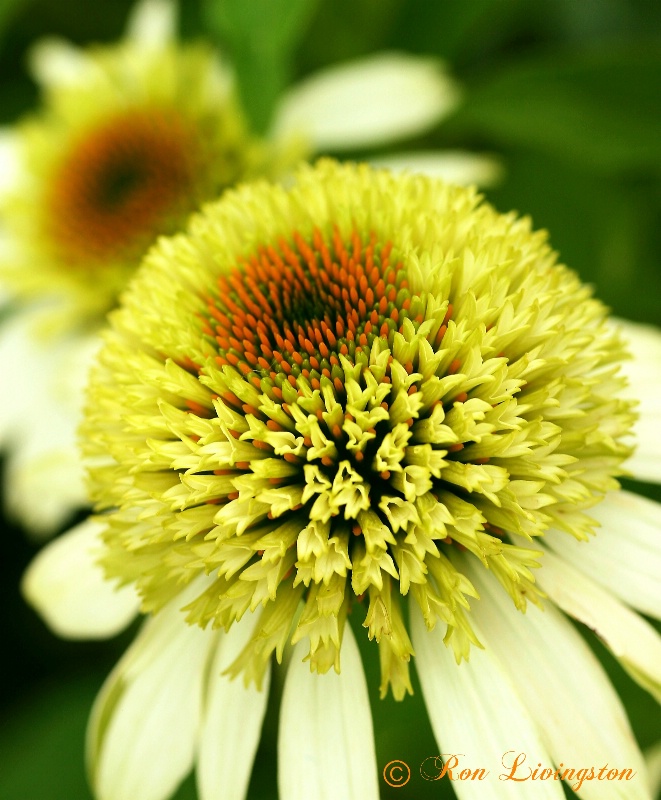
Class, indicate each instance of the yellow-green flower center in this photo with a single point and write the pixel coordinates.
(330, 393)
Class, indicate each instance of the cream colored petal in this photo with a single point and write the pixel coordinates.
(625, 555)
(478, 721)
(326, 740)
(56, 62)
(145, 722)
(45, 475)
(68, 589)
(562, 685)
(232, 723)
(645, 463)
(152, 23)
(44, 487)
(632, 640)
(20, 367)
(365, 103)
(453, 166)
(643, 372)
(39, 419)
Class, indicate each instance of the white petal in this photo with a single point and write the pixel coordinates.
(21, 367)
(232, 723)
(633, 641)
(56, 62)
(478, 720)
(643, 372)
(453, 166)
(625, 554)
(582, 721)
(368, 102)
(45, 475)
(644, 342)
(39, 420)
(326, 741)
(67, 587)
(45, 487)
(145, 721)
(152, 23)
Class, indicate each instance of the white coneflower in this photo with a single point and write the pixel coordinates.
(130, 139)
(366, 395)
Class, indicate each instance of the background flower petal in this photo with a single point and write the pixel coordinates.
(368, 102)
(56, 62)
(152, 23)
(454, 166)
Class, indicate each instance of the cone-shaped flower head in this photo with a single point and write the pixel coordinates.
(318, 396)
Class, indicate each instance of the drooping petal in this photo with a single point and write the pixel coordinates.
(625, 555)
(144, 725)
(453, 166)
(366, 103)
(152, 23)
(67, 587)
(478, 720)
(643, 372)
(561, 683)
(232, 723)
(326, 741)
(632, 640)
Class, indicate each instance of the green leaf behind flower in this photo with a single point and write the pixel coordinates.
(7, 9)
(260, 36)
(597, 107)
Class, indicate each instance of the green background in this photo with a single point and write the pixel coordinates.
(567, 93)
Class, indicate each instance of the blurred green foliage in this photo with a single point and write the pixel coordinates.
(260, 38)
(566, 92)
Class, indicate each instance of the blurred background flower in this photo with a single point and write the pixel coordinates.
(565, 93)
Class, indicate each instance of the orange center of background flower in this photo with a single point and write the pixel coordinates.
(122, 184)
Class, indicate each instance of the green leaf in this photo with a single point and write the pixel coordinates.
(599, 109)
(261, 36)
(461, 32)
(356, 28)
